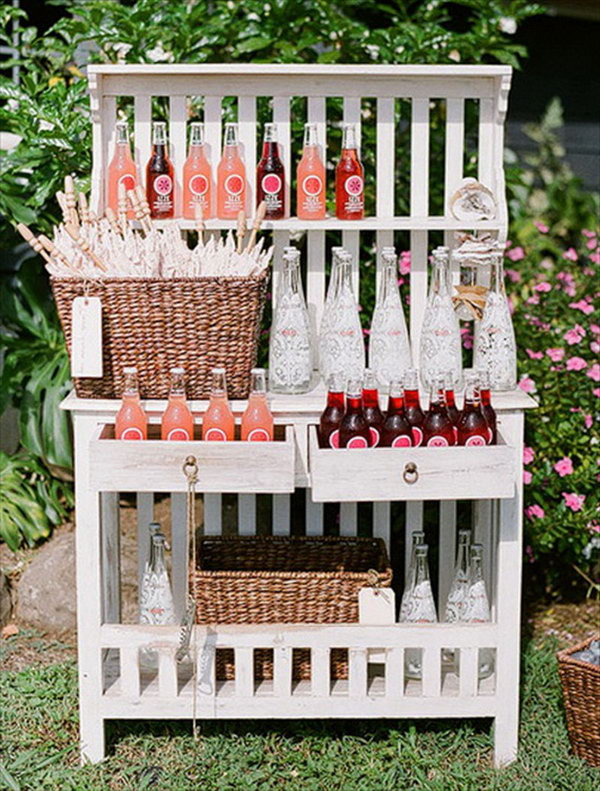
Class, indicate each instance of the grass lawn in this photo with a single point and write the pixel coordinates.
(38, 748)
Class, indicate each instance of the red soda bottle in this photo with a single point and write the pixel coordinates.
(354, 429)
(349, 179)
(372, 412)
(472, 427)
(486, 405)
(453, 410)
(438, 431)
(329, 424)
(412, 406)
(270, 178)
(396, 431)
(159, 175)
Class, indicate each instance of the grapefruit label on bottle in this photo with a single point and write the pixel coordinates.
(312, 185)
(259, 435)
(234, 185)
(198, 185)
(215, 435)
(476, 440)
(271, 185)
(437, 442)
(374, 436)
(354, 186)
(403, 441)
(178, 435)
(357, 442)
(131, 433)
(334, 439)
(417, 435)
(490, 436)
(128, 181)
(163, 184)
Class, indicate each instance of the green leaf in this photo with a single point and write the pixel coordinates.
(254, 43)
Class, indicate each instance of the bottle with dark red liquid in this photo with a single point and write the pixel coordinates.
(329, 424)
(349, 179)
(270, 177)
(438, 431)
(372, 412)
(472, 427)
(159, 176)
(486, 405)
(412, 406)
(453, 410)
(396, 431)
(354, 429)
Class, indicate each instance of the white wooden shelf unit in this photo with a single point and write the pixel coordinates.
(111, 682)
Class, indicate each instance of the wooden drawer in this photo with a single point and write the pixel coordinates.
(155, 465)
(374, 474)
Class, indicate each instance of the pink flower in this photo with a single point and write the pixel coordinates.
(576, 364)
(583, 306)
(467, 339)
(595, 329)
(541, 227)
(527, 476)
(513, 275)
(527, 384)
(592, 244)
(574, 335)
(534, 300)
(530, 555)
(516, 254)
(570, 254)
(588, 233)
(595, 258)
(564, 467)
(535, 511)
(588, 420)
(596, 390)
(543, 287)
(528, 455)
(595, 347)
(534, 355)
(555, 355)
(594, 372)
(574, 501)
(405, 262)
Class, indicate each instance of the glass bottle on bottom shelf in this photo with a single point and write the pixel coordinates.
(457, 595)
(156, 597)
(417, 537)
(495, 348)
(420, 608)
(389, 348)
(440, 349)
(477, 607)
(341, 345)
(290, 349)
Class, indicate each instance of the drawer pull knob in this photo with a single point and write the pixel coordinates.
(410, 474)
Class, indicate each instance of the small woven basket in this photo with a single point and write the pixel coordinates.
(581, 693)
(159, 323)
(284, 579)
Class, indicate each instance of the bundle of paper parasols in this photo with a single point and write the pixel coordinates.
(86, 246)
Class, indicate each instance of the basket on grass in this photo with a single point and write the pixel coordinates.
(284, 579)
(158, 323)
(581, 693)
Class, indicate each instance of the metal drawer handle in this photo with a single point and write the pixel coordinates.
(410, 474)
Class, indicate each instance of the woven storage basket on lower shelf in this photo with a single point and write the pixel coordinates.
(156, 324)
(581, 692)
(284, 579)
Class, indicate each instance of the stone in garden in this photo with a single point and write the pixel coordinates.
(5, 599)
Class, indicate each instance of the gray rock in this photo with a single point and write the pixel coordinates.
(46, 595)
(5, 599)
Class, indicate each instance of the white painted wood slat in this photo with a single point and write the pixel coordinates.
(178, 144)
(142, 130)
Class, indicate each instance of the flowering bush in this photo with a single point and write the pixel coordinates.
(552, 284)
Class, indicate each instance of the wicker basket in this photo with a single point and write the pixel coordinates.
(581, 692)
(155, 324)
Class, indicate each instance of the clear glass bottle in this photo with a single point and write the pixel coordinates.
(341, 345)
(290, 347)
(156, 597)
(417, 537)
(440, 349)
(389, 346)
(495, 348)
(457, 596)
(477, 607)
(420, 608)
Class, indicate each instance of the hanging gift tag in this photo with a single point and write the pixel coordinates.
(86, 337)
(376, 606)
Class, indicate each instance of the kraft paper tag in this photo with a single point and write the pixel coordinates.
(376, 606)
(86, 337)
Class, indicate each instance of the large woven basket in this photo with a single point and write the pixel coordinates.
(283, 579)
(156, 324)
(581, 693)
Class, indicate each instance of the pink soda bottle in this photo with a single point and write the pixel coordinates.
(412, 406)
(218, 424)
(354, 429)
(438, 431)
(372, 412)
(331, 417)
(159, 176)
(270, 177)
(472, 428)
(197, 177)
(121, 169)
(177, 421)
(231, 177)
(310, 195)
(257, 420)
(396, 431)
(131, 421)
(349, 179)
(486, 406)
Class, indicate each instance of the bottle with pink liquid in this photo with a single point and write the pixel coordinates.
(131, 421)
(122, 168)
(472, 427)
(177, 421)
(270, 177)
(310, 196)
(396, 430)
(218, 424)
(231, 177)
(197, 177)
(438, 430)
(412, 406)
(354, 429)
(257, 420)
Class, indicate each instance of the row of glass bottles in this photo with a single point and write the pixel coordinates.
(467, 601)
(156, 597)
(341, 347)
